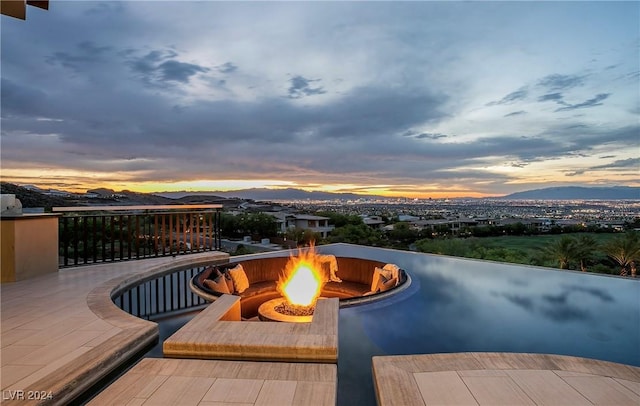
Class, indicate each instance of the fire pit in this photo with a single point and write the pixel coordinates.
(286, 288)
(279, 310)
(300, 285)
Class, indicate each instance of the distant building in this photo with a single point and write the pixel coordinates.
(453, 225)
(406, 217)
(317, 224)
(375, 222)
(56, 193)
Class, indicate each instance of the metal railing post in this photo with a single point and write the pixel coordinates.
(93, 234)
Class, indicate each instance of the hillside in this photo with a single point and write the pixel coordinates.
(34, 199)
(264, 194)
(30, 198)
(578, 193)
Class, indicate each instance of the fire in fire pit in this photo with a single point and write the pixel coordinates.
(301, 283)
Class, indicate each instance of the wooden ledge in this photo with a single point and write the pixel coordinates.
(218, 333)
(188, 381)
(503, 378)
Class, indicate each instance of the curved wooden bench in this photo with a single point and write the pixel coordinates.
(263, 273)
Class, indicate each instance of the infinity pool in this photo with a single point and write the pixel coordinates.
(459, 305)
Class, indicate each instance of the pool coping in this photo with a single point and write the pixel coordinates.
(410, 379)
(215, 382)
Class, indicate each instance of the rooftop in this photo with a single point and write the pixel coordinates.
(62, 332)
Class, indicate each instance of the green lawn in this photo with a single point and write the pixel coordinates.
(534, 243)
(527, 250)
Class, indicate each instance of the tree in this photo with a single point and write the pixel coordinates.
(564, 251)
(403, 233)
(515, 229)
(586, 245)
(355, 234)
(229, 225)
(341, 220)
(445, 246)
(295, 234)
(261, 223)
(310, 237)
(624, 250)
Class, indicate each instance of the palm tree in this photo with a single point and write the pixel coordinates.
(585, 247)
(563, 250)
(624, 250)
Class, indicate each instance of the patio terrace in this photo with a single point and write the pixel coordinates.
(61, 333)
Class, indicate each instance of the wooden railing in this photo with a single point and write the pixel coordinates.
(89, 235)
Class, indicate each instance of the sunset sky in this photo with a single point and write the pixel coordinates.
(416, 99)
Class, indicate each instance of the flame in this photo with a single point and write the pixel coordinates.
(302, 281)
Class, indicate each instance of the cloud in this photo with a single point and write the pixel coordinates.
(424, 135)
(148, 63)
(21, 100)
(595, 101)
(227, 67)
(431, 136)
(159, 66)
(301, 87)
(512, 97)
(619, 165)
(557, 97)
(85, 53)
(190, 103)
(515, 113)
(561, 82)
(179, 71)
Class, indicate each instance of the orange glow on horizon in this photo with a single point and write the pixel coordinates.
(79, 182)
(75, 181)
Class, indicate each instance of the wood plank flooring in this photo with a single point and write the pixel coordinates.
(213, 382)
(503, 379)
(60, 333)
(218, 333)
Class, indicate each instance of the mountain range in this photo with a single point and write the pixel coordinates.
(552, 193)
(578, 193)
(34, 198)
(264, 194)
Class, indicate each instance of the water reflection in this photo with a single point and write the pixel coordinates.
(597, 292)
(458, 305)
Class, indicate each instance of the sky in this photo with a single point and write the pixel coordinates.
(415, 99)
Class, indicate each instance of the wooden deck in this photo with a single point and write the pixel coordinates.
(218, 333)
(61, 333)
(215, 383)
(503, 379)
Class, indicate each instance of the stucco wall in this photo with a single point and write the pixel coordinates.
(29, 246)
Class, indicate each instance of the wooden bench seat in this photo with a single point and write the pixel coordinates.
(356, 275)
(218, 333)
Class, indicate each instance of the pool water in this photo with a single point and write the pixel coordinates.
(459, 305)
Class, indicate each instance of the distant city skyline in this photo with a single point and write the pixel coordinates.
(412, 99)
